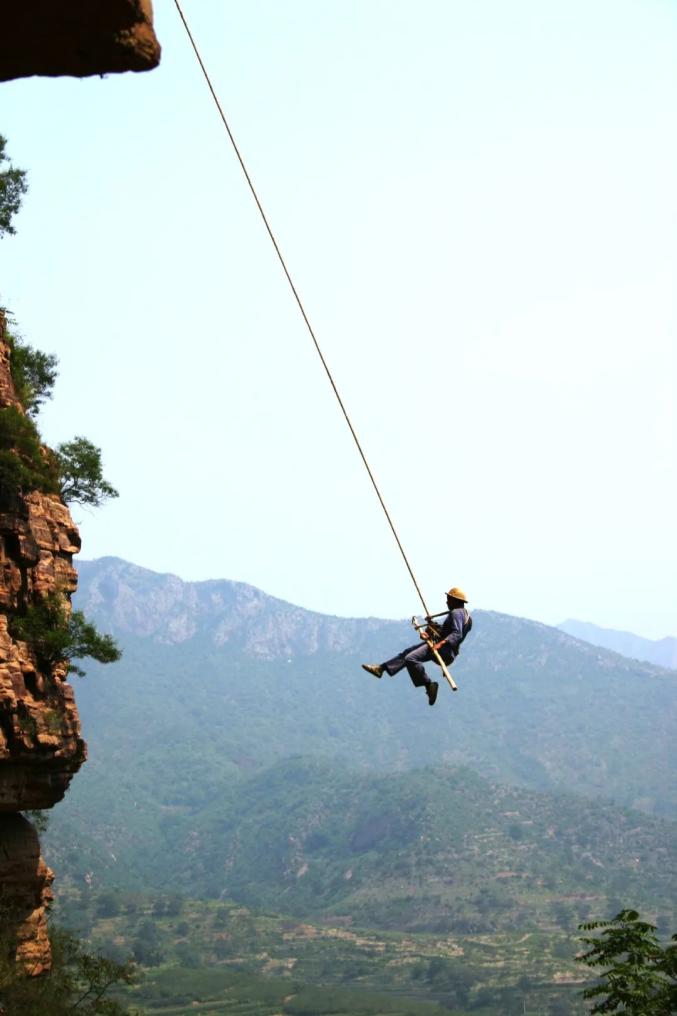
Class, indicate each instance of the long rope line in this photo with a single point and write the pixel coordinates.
(300, 304)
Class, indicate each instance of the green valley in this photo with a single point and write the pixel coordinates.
(268, 830)
(221, 957)
(440, 850)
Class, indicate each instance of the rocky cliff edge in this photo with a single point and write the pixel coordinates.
(40, 743)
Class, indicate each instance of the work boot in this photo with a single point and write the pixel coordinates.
(373, 668)
(431, 691)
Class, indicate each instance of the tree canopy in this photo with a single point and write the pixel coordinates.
(81, 473)
(13, 186)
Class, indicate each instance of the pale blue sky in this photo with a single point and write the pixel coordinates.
(478, 203)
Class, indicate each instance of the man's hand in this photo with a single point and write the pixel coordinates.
(429, 636)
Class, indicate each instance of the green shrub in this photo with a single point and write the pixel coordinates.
(24, 464)
(74, 470)
(56, 636)
(33, 373)
(38, 819)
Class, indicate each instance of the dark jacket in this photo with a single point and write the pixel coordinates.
(455, 627)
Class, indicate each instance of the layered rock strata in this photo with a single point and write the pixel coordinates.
(76, 37)
(40, 743)
(25, 891)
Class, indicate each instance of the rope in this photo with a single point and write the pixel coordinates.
(300, 304)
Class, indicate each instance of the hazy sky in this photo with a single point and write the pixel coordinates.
(478, 203)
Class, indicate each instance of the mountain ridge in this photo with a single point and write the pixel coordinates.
(139, 601)
(660, 652)
(129, 599)
(535, 708)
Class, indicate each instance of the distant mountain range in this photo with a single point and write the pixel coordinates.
(218, 678)
(227, 615)
(238, 748)
(662, 652)
(219, 675)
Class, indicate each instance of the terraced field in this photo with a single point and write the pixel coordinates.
(219, 957)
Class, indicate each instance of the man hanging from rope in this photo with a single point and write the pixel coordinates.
(445, 638)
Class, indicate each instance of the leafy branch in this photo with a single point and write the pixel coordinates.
(77, 983)
(74, 469)
(81, 473)
(34, 373)
(640, 978)
(57, 636)
(13, 186)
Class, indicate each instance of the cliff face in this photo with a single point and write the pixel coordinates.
(40, 743)
(25, 884)
(76, 37)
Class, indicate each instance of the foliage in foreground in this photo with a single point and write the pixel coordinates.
(57, 636)
(77, 983)
(639, 976)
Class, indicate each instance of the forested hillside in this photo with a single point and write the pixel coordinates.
(429, 850)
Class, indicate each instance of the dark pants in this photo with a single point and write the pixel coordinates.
(413, 659)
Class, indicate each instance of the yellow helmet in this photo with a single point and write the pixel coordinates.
(457, 594)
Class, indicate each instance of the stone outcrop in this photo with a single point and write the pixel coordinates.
(40, 743)
(7, 393)
(76, 37)
(25, 892)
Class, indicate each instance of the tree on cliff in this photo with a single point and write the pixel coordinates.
(639, 976)
(33, 373)
(13, 186)
(81, 473)
(58, 636)
(23, 464)
(74, 469)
